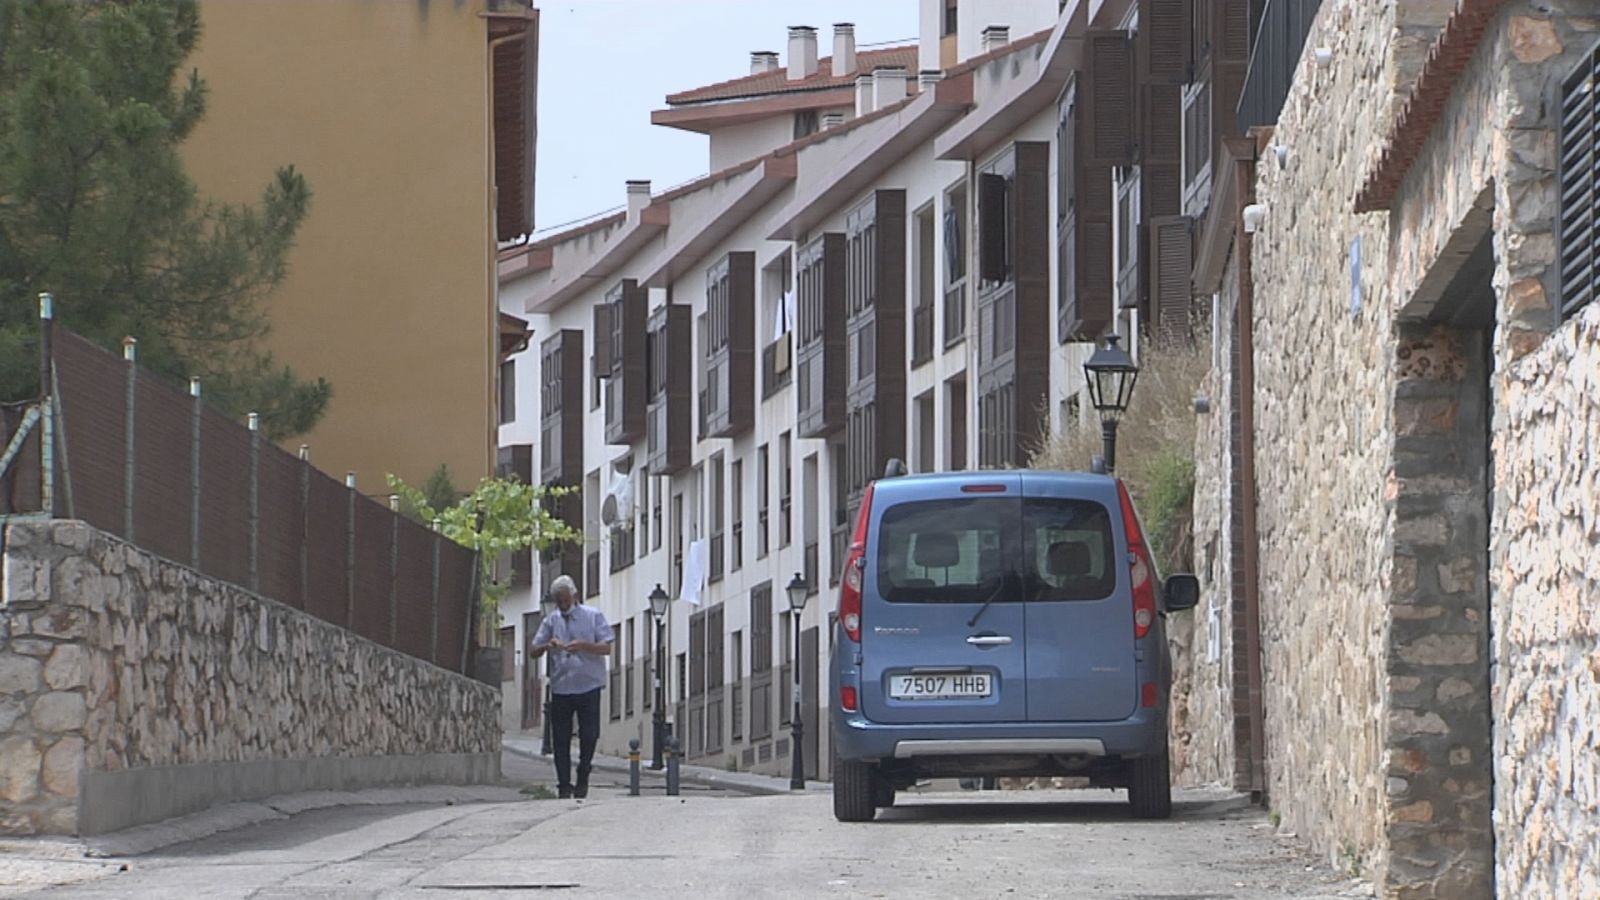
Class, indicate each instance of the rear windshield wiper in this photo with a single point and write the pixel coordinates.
(997, 591)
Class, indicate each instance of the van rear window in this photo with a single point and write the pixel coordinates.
(972, 550)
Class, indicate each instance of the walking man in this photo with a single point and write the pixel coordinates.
(578, 640)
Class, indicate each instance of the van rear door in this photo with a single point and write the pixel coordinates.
(1081, 664)
(942, 626)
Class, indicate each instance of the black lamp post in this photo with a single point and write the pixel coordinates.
(798, 591)
(1111, 373)
(658, 611)
(547, 606)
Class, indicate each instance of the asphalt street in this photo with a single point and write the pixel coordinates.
(711, 843)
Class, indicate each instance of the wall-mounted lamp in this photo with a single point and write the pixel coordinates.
(1323, 55)
(1281, 153)
(1254, 214)
(1202, 404)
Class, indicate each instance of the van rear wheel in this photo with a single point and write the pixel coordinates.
(855, 788)
(1150, 786)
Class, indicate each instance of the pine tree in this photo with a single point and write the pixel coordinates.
(96, 207)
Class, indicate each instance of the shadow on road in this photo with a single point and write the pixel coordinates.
(911, 810)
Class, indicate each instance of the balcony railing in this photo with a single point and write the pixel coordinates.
(717, 557)
(776, 367)
(955, 313)
(1279, 42)
(921, 334)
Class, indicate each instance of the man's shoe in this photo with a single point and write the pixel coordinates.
(581, 791)
(563, 792)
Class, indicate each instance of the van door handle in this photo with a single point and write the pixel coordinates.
(989, 640)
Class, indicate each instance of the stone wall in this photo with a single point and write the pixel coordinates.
(1547, 628)
(133, 689)
(1203, 696)
(1324, 443)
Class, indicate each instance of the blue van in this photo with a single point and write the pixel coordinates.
(1001, 623)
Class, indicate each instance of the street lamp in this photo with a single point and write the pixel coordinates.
(547, 608)
(658, 611)
(1111, 373)
(799, 591)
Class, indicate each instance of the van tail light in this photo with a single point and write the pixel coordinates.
(1149, 694)
(847, 699)
(1141, 569)
(850, 579)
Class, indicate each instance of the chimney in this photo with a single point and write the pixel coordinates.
(832, 120)
(844, 49)
(863, 95)
(802, 52)
(763, 61)
(888, 86)
(927, 78)
(638, 197)
(995, 37)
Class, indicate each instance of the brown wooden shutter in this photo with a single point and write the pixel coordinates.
(1230, 46)
(602, 338)
(1093, 264)
(1171, 262)
(1108, 98)
(1165, 44)
(1161, 148)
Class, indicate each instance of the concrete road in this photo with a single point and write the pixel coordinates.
(709, 844)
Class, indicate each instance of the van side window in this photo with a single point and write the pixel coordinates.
(1069, 548)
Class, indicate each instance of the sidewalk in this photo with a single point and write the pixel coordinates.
(706, 776)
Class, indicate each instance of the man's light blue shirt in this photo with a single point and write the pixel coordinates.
(576, 673)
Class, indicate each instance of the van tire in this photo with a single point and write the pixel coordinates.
(1150, 786)
(854, 791)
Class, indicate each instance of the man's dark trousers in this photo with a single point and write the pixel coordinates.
(563, 707)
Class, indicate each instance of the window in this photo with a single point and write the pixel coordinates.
(655, 514)
(955, 265)
(975, 550)
(1580, 117)
(951, 18)
(805, 123)
(736, 497)
(718, 515)
(994, 228)
(508, 391)
(785, 490)
(763, 500)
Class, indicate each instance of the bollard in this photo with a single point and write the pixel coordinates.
(633, 767)
(672, 767)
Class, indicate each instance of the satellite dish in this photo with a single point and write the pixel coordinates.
(617, 506)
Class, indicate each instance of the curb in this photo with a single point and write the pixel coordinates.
(745, 783)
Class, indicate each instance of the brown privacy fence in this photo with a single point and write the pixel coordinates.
(135, 456)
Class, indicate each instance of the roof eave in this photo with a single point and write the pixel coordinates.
(777, 172)
(878, 149)
(618, 249)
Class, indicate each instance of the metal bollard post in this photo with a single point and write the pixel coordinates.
(633, 767)
(672, 767)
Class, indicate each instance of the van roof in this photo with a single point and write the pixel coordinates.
(1087, 480)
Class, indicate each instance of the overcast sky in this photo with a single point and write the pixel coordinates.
(605, 64)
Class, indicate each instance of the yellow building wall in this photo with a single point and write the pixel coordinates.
(384, 106)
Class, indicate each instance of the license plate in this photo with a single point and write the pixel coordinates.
(952, 686)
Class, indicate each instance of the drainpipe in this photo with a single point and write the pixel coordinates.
(1244, 158)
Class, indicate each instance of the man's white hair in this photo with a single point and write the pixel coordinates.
(564, 585)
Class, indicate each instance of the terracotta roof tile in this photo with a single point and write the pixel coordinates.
(1450, 56)
(777, 81)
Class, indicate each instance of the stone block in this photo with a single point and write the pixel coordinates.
(19, 769)
(62, 763)
(33, 647)
(59, 712)
(12, 709)
(1534, 40)
(68, 667)
(61, 622)
(20, 675)
(1440, 650)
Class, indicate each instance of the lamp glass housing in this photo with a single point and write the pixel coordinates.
(798, 592)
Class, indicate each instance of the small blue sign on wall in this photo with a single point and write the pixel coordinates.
(1355, 277)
